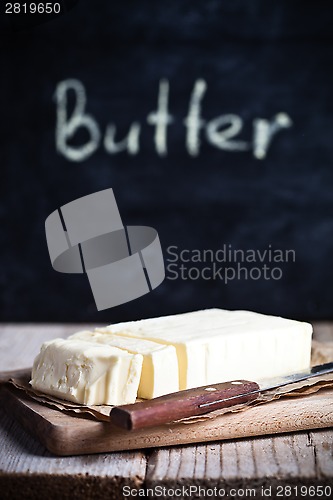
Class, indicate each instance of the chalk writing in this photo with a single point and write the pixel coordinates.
(220, 132)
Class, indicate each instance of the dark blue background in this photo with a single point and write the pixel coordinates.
(258, 58)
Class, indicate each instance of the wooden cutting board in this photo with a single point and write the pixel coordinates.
(66, 434)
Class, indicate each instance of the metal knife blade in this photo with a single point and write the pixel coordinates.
(200, 400)
(277, 382)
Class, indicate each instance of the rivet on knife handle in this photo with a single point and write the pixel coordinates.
(183, 404)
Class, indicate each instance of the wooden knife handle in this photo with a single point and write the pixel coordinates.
(183, 404)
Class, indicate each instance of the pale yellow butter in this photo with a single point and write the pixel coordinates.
(86, 372)
(157, 356)
(216, 345)
(159, 374)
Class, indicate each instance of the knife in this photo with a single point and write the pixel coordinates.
(201, 400)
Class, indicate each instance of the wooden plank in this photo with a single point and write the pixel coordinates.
(20, 343)
(321, 442)
(302, 458)
(27, 470)
(65, 434)
(25, 465)
(23, 454)
(323, 331)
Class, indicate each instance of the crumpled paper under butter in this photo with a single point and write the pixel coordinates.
(322, 352)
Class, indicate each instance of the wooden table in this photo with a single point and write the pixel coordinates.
(27, 470)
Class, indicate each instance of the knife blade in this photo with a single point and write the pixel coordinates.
(201, 400)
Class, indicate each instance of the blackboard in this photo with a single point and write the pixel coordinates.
(243, 162)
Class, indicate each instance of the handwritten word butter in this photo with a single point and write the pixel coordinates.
(222, 132)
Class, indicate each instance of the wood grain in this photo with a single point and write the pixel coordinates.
(323, 331)
(19, 344)
(302, 458)
(65, 434)
(287, 459)
(27, 470)
(183, 404)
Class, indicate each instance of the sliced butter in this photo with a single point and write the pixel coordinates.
(86, 372)
(161, 355)
(159, 374)
(216, 345)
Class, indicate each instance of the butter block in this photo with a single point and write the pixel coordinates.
(216, 345)
(86, 372)
(159, 374)
(156, 356)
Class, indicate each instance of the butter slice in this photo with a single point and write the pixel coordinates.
(216, 345)
(86, 372)
(159, 374)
